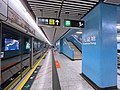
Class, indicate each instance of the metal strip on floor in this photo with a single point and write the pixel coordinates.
(55, 78)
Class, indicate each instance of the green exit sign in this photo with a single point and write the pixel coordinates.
(67, 23)
(73, 23)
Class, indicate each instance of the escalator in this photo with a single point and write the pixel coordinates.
(77, 53)
(76, 41)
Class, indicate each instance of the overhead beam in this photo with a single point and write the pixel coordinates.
(43, 3)
(71, 4)
(57, 6)
(81, 1)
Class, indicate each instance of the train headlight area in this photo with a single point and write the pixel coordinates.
(59, 44)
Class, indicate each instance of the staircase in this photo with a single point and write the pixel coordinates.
(77, 53)
(76, 42)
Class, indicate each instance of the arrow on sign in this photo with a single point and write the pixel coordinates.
(57, 22)
(80, 24)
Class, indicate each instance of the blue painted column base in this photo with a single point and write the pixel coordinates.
(95, 86)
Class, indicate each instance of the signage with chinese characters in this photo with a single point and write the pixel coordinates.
(73, 23)
(48, 21)
(90, 40)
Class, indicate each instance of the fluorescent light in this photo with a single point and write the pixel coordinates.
(118, 38)
(118, 26)
(28, 18)
(78, 32)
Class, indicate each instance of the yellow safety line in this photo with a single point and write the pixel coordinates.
(15, 79)
(28, 76)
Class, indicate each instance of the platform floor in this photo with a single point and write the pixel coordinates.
(68, 73)
(43, 80)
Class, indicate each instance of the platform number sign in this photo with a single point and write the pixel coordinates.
(49, 21)
(73, 23)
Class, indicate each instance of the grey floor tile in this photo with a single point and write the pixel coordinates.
(69, 74)
(44, 77)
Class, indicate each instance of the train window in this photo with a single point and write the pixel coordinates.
(15, 46)
(16, 60)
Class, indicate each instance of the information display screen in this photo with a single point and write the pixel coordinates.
(73, 23)
(49, 21)
(27, 45)
(11, 44)
(118, 46)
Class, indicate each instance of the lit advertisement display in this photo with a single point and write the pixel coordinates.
(11, 44)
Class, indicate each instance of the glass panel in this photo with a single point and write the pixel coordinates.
(37, 48)
(16, 60)
(0, 51)
(25, 54)
(10, 63)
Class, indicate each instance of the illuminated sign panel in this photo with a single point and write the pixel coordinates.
(49, 21)
(67, 23)
(73, 23)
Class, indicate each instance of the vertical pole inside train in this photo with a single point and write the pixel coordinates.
(0, 47)
(31, 52)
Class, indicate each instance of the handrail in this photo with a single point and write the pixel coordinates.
(68, 44)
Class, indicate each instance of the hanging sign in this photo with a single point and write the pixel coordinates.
(48, 21)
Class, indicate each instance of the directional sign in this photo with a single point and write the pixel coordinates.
(48, 21)
(57, 22)
(73, 23)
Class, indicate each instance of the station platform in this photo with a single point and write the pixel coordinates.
(69, 74)
(56, 71)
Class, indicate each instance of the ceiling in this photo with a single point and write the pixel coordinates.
(117, 2)
(63, 9)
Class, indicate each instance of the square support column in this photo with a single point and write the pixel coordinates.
(99, 50)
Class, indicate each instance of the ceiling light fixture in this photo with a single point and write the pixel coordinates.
(17, 5)
(78, 32)
(118, 26)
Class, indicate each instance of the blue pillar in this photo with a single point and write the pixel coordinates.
(61, 45)
(99, 50)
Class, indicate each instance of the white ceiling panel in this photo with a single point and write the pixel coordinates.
(59, 33)
(113, 1)
(63, 9)
(49, 32)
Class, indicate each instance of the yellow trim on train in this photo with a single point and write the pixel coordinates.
(28, 76)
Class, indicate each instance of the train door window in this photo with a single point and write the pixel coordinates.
(37, 50)
(16, 60)
(0, 49)
(25, 52)
(11, 62)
